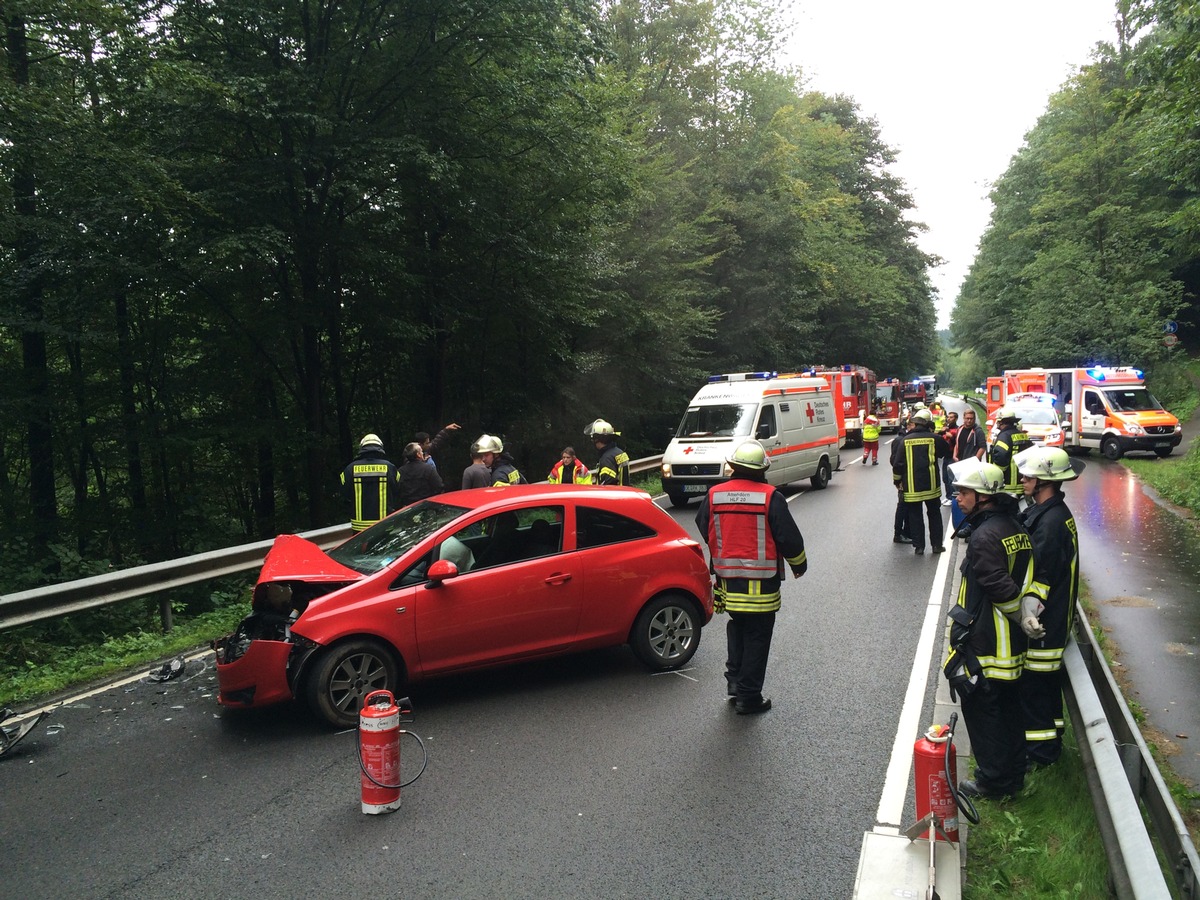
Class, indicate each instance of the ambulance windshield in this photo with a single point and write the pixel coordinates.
(1131, 399)
(731, 420)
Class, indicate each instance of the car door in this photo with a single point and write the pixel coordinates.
(1092, 415)
(522, 600)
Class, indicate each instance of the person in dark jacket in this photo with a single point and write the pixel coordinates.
(418, 479)
(430, 446)
(370, 483)
(1010, 440)
(751, 536)
(916, 470)
(612, 468)
(1048, 610)
(987, 648)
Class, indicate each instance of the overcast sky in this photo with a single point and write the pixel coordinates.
(955, 85)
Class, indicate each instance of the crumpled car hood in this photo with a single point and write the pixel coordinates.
(293, 558)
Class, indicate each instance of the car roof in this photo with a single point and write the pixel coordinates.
(480, 498)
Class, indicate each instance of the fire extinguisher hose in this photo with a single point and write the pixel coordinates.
(960, 799)
(403, 784)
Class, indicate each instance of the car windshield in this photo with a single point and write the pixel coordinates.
(732, 420)
(1038, 415)
(373, 549)
(1131, 399)
(887, 392)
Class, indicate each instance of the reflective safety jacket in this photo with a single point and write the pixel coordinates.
(1055, 579)
(997, 571)
(612, 467)
(504, 472)
(1005, 448)
(564, 474)
(870, 431)
(916, 465)
(371, 484)
(750, 534)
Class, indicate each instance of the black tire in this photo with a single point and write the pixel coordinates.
(1163, 452)
(678, 500)
(1110, 448)
(820, 481)
(343, 675)
(666, 632)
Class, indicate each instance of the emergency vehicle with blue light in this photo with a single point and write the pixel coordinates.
(1104, 407)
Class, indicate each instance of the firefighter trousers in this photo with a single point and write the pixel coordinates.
(749, 639)
(992, 714)
(916, 528)
(1042, 713)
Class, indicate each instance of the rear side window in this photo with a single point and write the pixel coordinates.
(766, 423)
(597, 527)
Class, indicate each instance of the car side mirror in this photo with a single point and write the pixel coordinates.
(440, 571)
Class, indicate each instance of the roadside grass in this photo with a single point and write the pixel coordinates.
(1043, 844)
(44, 659)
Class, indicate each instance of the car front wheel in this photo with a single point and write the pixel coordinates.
(666, 632)
(1111, 449)
(343, 677)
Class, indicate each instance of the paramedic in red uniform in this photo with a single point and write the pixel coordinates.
(751, 536)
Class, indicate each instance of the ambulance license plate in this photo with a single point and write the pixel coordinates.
(695, 488)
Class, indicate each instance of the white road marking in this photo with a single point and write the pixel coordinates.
(895, 785)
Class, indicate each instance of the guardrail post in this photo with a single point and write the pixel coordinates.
(164, 613)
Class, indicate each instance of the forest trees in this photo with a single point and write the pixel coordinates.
(236, 235)
(1083, 259)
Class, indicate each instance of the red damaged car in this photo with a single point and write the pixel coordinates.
(462, 581)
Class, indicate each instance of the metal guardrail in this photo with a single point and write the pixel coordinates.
(1125, 780)
(37, 604)
(51, 601)
(1122, 774)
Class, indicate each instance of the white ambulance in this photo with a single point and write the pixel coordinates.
(791, 415)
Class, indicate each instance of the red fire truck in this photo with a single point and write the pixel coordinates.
(853, 390)
(888, 400)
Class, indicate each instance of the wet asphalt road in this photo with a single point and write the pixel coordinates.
(581, 777)
(1141, 561)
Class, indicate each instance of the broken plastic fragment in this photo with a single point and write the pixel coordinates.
(169, 670)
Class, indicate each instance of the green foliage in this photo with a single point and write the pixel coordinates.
(1043, 844)
(1079, 263)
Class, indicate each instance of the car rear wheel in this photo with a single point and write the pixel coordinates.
(1110, 448)
(824, 473)
(666, 632)
(345, 674)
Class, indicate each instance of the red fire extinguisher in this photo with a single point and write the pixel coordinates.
(379, 753)
(932, 758)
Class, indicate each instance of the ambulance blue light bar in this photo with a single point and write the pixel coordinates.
(741, 376)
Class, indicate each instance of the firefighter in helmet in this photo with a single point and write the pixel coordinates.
(502, 465)
(751, 537)
(371, 484)
(612, 468)
(916, 470)
(1010, 440)
(1048, 609)
(987, 646)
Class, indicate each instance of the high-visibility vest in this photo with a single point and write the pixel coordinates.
(740, 538)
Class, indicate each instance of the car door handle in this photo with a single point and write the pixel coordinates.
(559, 578)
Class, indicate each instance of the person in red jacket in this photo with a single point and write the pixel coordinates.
(751, 537)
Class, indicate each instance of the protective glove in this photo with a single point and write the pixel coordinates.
(1031, 608)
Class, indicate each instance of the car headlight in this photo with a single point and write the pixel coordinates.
(1134, 428)
(666, 470)
(1178, 427)
(1054, 438)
